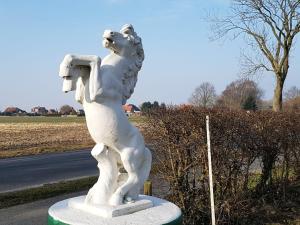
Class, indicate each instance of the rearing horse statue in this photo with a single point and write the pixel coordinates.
(102, 88)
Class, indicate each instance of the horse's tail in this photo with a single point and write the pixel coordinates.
(107, 181)
(146, 167)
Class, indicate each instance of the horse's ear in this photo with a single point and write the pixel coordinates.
(95, 83)
(79, 94)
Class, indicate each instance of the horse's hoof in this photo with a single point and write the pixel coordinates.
(116, 200)
(128, 200)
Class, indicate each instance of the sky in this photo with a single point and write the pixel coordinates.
(36, 34)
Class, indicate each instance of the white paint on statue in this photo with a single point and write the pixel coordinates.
(108, 211)
(162, 212)
(102, 88)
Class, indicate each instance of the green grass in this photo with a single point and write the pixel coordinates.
(45, 191)
(40, 119)
(253, 181)
(137, 119)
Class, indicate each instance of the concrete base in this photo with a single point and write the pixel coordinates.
(162, 213)
(107, 211)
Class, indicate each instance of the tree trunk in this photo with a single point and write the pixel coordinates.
(277, 99)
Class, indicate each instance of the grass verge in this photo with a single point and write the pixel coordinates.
(40, 119)
(46, 191)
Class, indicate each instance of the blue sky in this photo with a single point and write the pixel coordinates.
(36, 34)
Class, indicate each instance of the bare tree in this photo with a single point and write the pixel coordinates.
(67, 110)
(292, 93)
(292, 104)
(204, 95)
(238, 92)
(270, 27)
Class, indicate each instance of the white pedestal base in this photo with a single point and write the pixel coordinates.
(162, 213)
(110, 211)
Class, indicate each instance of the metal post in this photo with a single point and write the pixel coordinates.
(211, 188)
(148, 188)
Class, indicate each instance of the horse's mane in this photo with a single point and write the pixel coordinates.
(130, 75)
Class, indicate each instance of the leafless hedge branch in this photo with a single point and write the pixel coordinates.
(256, 156)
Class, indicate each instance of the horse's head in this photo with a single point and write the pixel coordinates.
(124, 43)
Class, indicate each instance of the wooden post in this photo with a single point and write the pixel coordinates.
(148, 188)
(211, 186)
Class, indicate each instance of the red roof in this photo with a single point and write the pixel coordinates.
(130, 108)
(13, 110)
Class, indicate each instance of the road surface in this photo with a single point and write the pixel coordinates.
(30, 171)
(34, 213)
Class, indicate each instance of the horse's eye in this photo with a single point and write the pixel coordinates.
(129, 38)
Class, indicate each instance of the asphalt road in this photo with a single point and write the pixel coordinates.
(30, 171)
(34, 213)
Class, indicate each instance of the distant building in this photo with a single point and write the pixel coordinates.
(130, 109)
(52, 112)
(39, 110)
(13, 111)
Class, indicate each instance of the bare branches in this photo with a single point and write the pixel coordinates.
(204, 95)
(253, 65)
(237, 92)
(272, 26)
(292, 93)
(241, 139)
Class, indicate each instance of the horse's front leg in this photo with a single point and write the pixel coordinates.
(132, 159)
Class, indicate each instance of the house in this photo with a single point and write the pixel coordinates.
(52, 112)
(130, 109)
(10, 111)
(39, 110)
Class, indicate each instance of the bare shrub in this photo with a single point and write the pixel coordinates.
(254, 155)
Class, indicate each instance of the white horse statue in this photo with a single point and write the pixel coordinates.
(102, 88)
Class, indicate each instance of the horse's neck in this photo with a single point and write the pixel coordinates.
(115, 60)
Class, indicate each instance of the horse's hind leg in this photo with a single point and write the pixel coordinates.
(143, 175)
(132, 159)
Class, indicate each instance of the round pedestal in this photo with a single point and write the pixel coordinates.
(162, 213)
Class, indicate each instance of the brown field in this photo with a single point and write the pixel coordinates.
(34, 135)
(33, 138)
